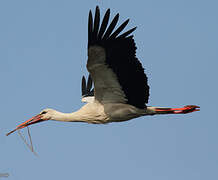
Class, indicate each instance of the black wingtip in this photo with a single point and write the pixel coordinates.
(89, 84)
(97, 8)
(83, 86)
(100, 33)
(87, 89)
(119, 29)
(96, 22)
(111, 27)
(127, 33)
(104, 23)
(90, 26)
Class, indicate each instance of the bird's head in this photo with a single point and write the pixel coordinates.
(47, 114)
(44, 115)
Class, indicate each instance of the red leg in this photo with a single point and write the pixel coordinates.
(183, 110)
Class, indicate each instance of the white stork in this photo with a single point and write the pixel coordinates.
(120, 90)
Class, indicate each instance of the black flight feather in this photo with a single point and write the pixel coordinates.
(90, 27)
(86, 88)
(96, 22)
(89, 83)
(119, 29)
(83, 86)
(111, 27)
(127, 33)
(104, 24)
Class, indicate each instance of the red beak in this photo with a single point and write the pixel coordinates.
(33, 120)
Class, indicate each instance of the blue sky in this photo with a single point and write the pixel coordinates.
(42, 59)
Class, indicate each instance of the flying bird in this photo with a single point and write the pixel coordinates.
(121, 90)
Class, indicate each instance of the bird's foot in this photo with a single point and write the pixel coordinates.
(186, 109)
(183, 110)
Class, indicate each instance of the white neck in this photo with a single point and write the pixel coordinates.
(88, 113)
(69, 117)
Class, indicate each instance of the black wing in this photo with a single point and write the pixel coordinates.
(120, 56)
(87, 90)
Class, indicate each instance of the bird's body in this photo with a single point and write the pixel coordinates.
(96, 113)
(121, 90)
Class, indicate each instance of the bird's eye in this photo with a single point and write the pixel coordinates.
(44, 112)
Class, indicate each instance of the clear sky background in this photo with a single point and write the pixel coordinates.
(43, 53)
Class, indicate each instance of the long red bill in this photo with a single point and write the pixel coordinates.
(33, 120)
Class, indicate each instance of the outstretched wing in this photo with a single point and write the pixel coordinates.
(87, 90)
(117, 74)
